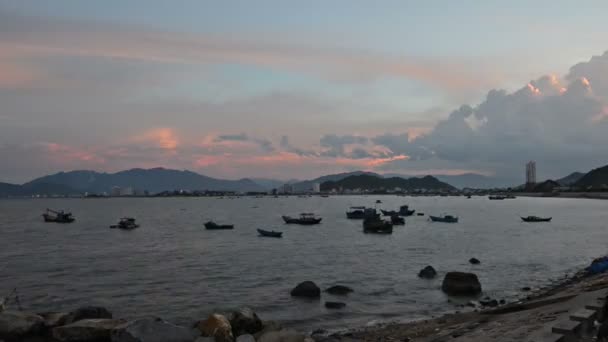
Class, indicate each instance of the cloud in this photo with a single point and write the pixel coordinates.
(335, 146)
(561, 125)
(264, 144)
(37, 38)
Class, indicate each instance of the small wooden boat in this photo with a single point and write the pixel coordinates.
(445, 218)
(356, 213)
(214, 226)
(304, 219)
(397, 220)
(420, 214)
(58, 216)
(377, 226)
(126, 223)
(389, 212)
(270, 233)
(404, 210)
(496, 197)
(536, 219)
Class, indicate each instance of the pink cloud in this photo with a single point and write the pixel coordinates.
(164, 138)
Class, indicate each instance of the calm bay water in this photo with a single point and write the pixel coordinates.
(174, 268)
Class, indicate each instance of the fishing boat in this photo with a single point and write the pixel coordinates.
(420, 214)
(536, 219)
(468, 196)
(397, 220)
(270, 233)
(356, 213)
(496, 197)
(304, 219)
(389, 212)
(210, 225)
(127, 223)
(445, 218)
(58, 216)
(377, 226)
(378, 201)
(404, 210)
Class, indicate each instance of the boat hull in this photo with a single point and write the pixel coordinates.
(305, 222)
(266, 233)
(537, 219)
(443, 219)
(215, 226)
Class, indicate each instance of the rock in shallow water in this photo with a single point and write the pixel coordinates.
(245, 321)
(334, 305)
(245, 338)
(152, 329)
(427, 273)
(461, 284)
(217, 326)
(88, 312)
(306, 289)
(87, 330)
(283, 336)
(339, 290)
(16, 325)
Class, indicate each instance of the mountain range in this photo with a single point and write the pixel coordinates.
(375, 182)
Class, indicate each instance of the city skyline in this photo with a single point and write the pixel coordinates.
(284, 91)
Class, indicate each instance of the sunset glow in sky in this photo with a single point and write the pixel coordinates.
(292, 89)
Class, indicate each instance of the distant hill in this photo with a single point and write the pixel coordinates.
(15, 190)
(595, 178)
(154, 180)
(307, 185)
(467, 180)
(375, 182)
(570, 179)
(546, 186)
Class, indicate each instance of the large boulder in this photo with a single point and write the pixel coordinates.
(217, 326)
(87, 330)
(427, 273)
(54, 319)
(88, 312)
(268, 327)
(461, 284)
(245, 338)
(339, 290)
(151, 329)
(16, 325)
(283, 336)
(245, 321)
(306, 289)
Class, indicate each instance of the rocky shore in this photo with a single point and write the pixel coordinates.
(530, 319)
(96, 324)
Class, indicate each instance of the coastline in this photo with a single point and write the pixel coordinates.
(583, 195)
(535, 316)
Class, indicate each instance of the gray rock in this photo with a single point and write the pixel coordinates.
(245, 338)
(16, 325)
(152, 329)
(205, 339)
(339, 290)
(245, 321)
(87, 330)
(335, 305)
(306, 289)
(217, 326)
(461, 284)
(283, 336)
(268, 327)
(427, 273)
(88, 312)
(54, 319)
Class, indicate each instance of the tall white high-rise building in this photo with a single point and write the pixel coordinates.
(531, 172)
(316, 187)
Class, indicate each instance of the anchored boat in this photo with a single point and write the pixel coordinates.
(377, 226)
(536, 219)
(306, 219)
(356, 213)
(270, 233)
(445, 218)
(58, 216)
(210, 225)
(126, 223)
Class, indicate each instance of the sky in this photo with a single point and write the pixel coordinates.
(290, 89)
